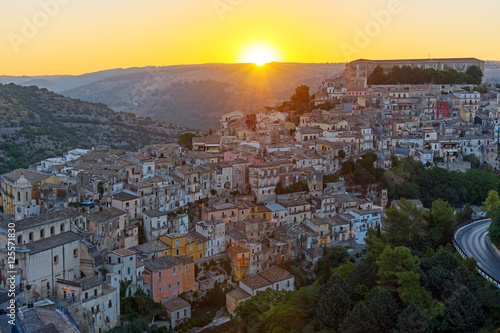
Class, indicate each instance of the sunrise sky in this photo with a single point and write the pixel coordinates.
(75, 36)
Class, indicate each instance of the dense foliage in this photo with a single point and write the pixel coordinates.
(36, 124)
(410, 75)
(409, 179)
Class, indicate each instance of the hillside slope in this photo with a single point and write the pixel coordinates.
(36, 124)
(188, 95)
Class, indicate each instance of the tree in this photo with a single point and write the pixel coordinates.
(362, 177)
(494, 229)
(384, 308)
(492, 202)
(442, 218)
(394, 261)
(301, 96)
(465, 215)
(410, 290)
(475, 73)
(283, 318)
(359, 320)
(402, 224)
(377, 76)
(331, 306)
(413, 320)
(375, 244)
(186, 140)
(464, 311)
(474, 161)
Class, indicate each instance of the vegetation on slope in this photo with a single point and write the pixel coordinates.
(36, 124)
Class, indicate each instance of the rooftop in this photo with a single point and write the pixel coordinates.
(44, 218)
(151, 247)
(276, 274)
(164, 262)
(31, 176)
(125, 196)
(239, 294)
(175, 304)
(105, 215)
(52, 242)
(256, 282)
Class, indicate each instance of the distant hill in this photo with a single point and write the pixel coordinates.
(188, 95)
(36, 124)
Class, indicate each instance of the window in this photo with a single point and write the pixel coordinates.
(75, 253)
(169, 286)
(159, 275)
(56, 259)
(176, 243)
(19, 239)
(95, 292)
(52, 230)
(159, 289)
(62, 227)
(42, 233)
(128, 271)
(187, 267)
(110, 304)
(86, 295)
(173, 270)
(178, 284)
(30, 237)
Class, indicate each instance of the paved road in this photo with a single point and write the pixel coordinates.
(472, 239)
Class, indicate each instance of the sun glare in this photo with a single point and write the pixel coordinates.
(259, 55)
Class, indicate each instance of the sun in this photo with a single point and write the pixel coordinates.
(259, 55)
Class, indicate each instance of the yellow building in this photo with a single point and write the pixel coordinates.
(177, 243)
(322, 227)
(20, 190)
(467, 113)
(192, 244)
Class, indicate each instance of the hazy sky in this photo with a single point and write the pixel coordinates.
(81, 36)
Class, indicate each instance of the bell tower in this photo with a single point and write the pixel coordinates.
(22, 197)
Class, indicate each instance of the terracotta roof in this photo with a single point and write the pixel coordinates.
(31, 176)
(164, 262)
(152, 246)
(239, 294)
(276, 274)
(256, 282)
(154, 213)
(175, 304)
(123, 252)
(105, 215)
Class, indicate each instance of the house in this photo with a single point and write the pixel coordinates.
(106, 226)
(215, 232)
(123, 262)
(298, 210)
(211, 143)
(178, 310)
(157, 223)
(361, 220)
(43, 317)
(128, 201)
(275, 278)
(92, 302)
(263, 178)
(168, 276)
(152, 250)
(340, 228)
(305, 134)
(322, 227)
